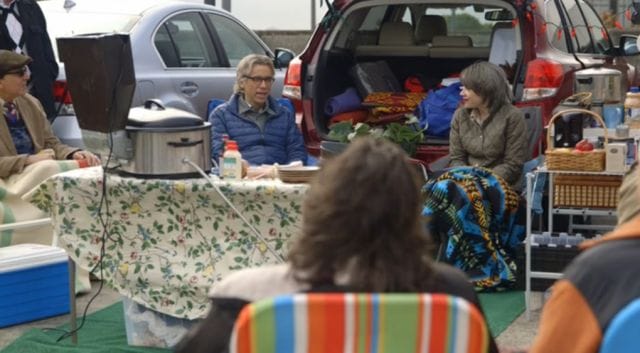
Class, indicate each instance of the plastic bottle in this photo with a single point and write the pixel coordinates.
(632, 108)
(232, 162)
(225, 138)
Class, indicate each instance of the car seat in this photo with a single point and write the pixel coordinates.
(429, 26)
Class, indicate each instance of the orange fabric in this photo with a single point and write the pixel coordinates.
(567, 323)
(244, 336)
(389, 110)
(335, 328)
(439, 337)
(627, 230)
(317, 340)
(357, 116)
(477, 333)
(409, 100)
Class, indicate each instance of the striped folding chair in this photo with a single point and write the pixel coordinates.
(353, 323)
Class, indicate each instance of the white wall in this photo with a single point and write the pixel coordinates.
(275, 14)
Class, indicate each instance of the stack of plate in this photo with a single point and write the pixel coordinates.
(298, 174)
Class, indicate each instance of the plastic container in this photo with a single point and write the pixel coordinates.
(34, 283)
(149, 328)
(632, 108)
(232, 162)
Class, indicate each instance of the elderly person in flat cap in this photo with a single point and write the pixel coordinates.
(26, 135)
(29, 151)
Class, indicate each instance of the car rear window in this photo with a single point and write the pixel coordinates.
(466, 20)
(363, 25)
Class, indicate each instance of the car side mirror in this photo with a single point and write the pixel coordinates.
(283, 57)
(629, 45)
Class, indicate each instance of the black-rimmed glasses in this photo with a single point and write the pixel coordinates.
(259, 79)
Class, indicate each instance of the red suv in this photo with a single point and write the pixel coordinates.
(540, 44)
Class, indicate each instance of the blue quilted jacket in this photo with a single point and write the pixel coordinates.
(281, 142)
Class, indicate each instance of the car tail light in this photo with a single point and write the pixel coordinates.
(62, 98)
(543, 79)
(293, 80)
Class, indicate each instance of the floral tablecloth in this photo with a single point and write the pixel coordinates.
(168, 241)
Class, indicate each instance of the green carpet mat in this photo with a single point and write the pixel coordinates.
(104, 331)
(501, 309)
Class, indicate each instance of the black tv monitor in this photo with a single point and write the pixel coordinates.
(100, 79)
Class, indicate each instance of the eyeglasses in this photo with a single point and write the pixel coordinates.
(19, 72)
(258, 80)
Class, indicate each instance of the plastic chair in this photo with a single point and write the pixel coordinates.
(347, 322)
(622, 334)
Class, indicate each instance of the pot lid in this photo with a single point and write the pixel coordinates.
(154, 114)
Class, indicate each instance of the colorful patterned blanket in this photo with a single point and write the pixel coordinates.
(481, 220)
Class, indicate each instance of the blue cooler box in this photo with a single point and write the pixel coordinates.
(34, 283)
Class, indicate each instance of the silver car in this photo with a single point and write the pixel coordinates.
(184, 54)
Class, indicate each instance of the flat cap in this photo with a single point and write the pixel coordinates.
(10, 60)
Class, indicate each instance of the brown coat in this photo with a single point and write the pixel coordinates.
(41, 134)
(499, 144)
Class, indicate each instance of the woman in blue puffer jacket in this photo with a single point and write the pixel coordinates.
(265, 131)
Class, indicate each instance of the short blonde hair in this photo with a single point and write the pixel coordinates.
(246, 65)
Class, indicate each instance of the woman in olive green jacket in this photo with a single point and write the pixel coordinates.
(487, 130)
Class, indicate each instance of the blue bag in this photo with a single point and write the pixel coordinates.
(436, 111)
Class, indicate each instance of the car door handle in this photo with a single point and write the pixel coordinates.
(189, 88)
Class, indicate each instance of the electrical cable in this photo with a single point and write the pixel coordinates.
(233, 207)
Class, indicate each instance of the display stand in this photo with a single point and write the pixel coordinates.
(554, 210)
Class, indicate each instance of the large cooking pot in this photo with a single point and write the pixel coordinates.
(605, 84)
(161, 138)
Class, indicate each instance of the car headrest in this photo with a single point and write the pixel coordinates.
(430, 26)
(396, 33)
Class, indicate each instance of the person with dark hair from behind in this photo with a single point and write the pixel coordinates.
(598, 283)
(23, 29)
(357, 236)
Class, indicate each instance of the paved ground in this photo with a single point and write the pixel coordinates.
(518, 335)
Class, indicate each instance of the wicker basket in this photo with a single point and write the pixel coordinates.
(580, 190)
(591, 161)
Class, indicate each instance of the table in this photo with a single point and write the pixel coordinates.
(169, 240)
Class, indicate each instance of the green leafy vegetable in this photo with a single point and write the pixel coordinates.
(407, 135)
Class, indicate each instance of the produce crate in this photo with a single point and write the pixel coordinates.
(580, 190)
